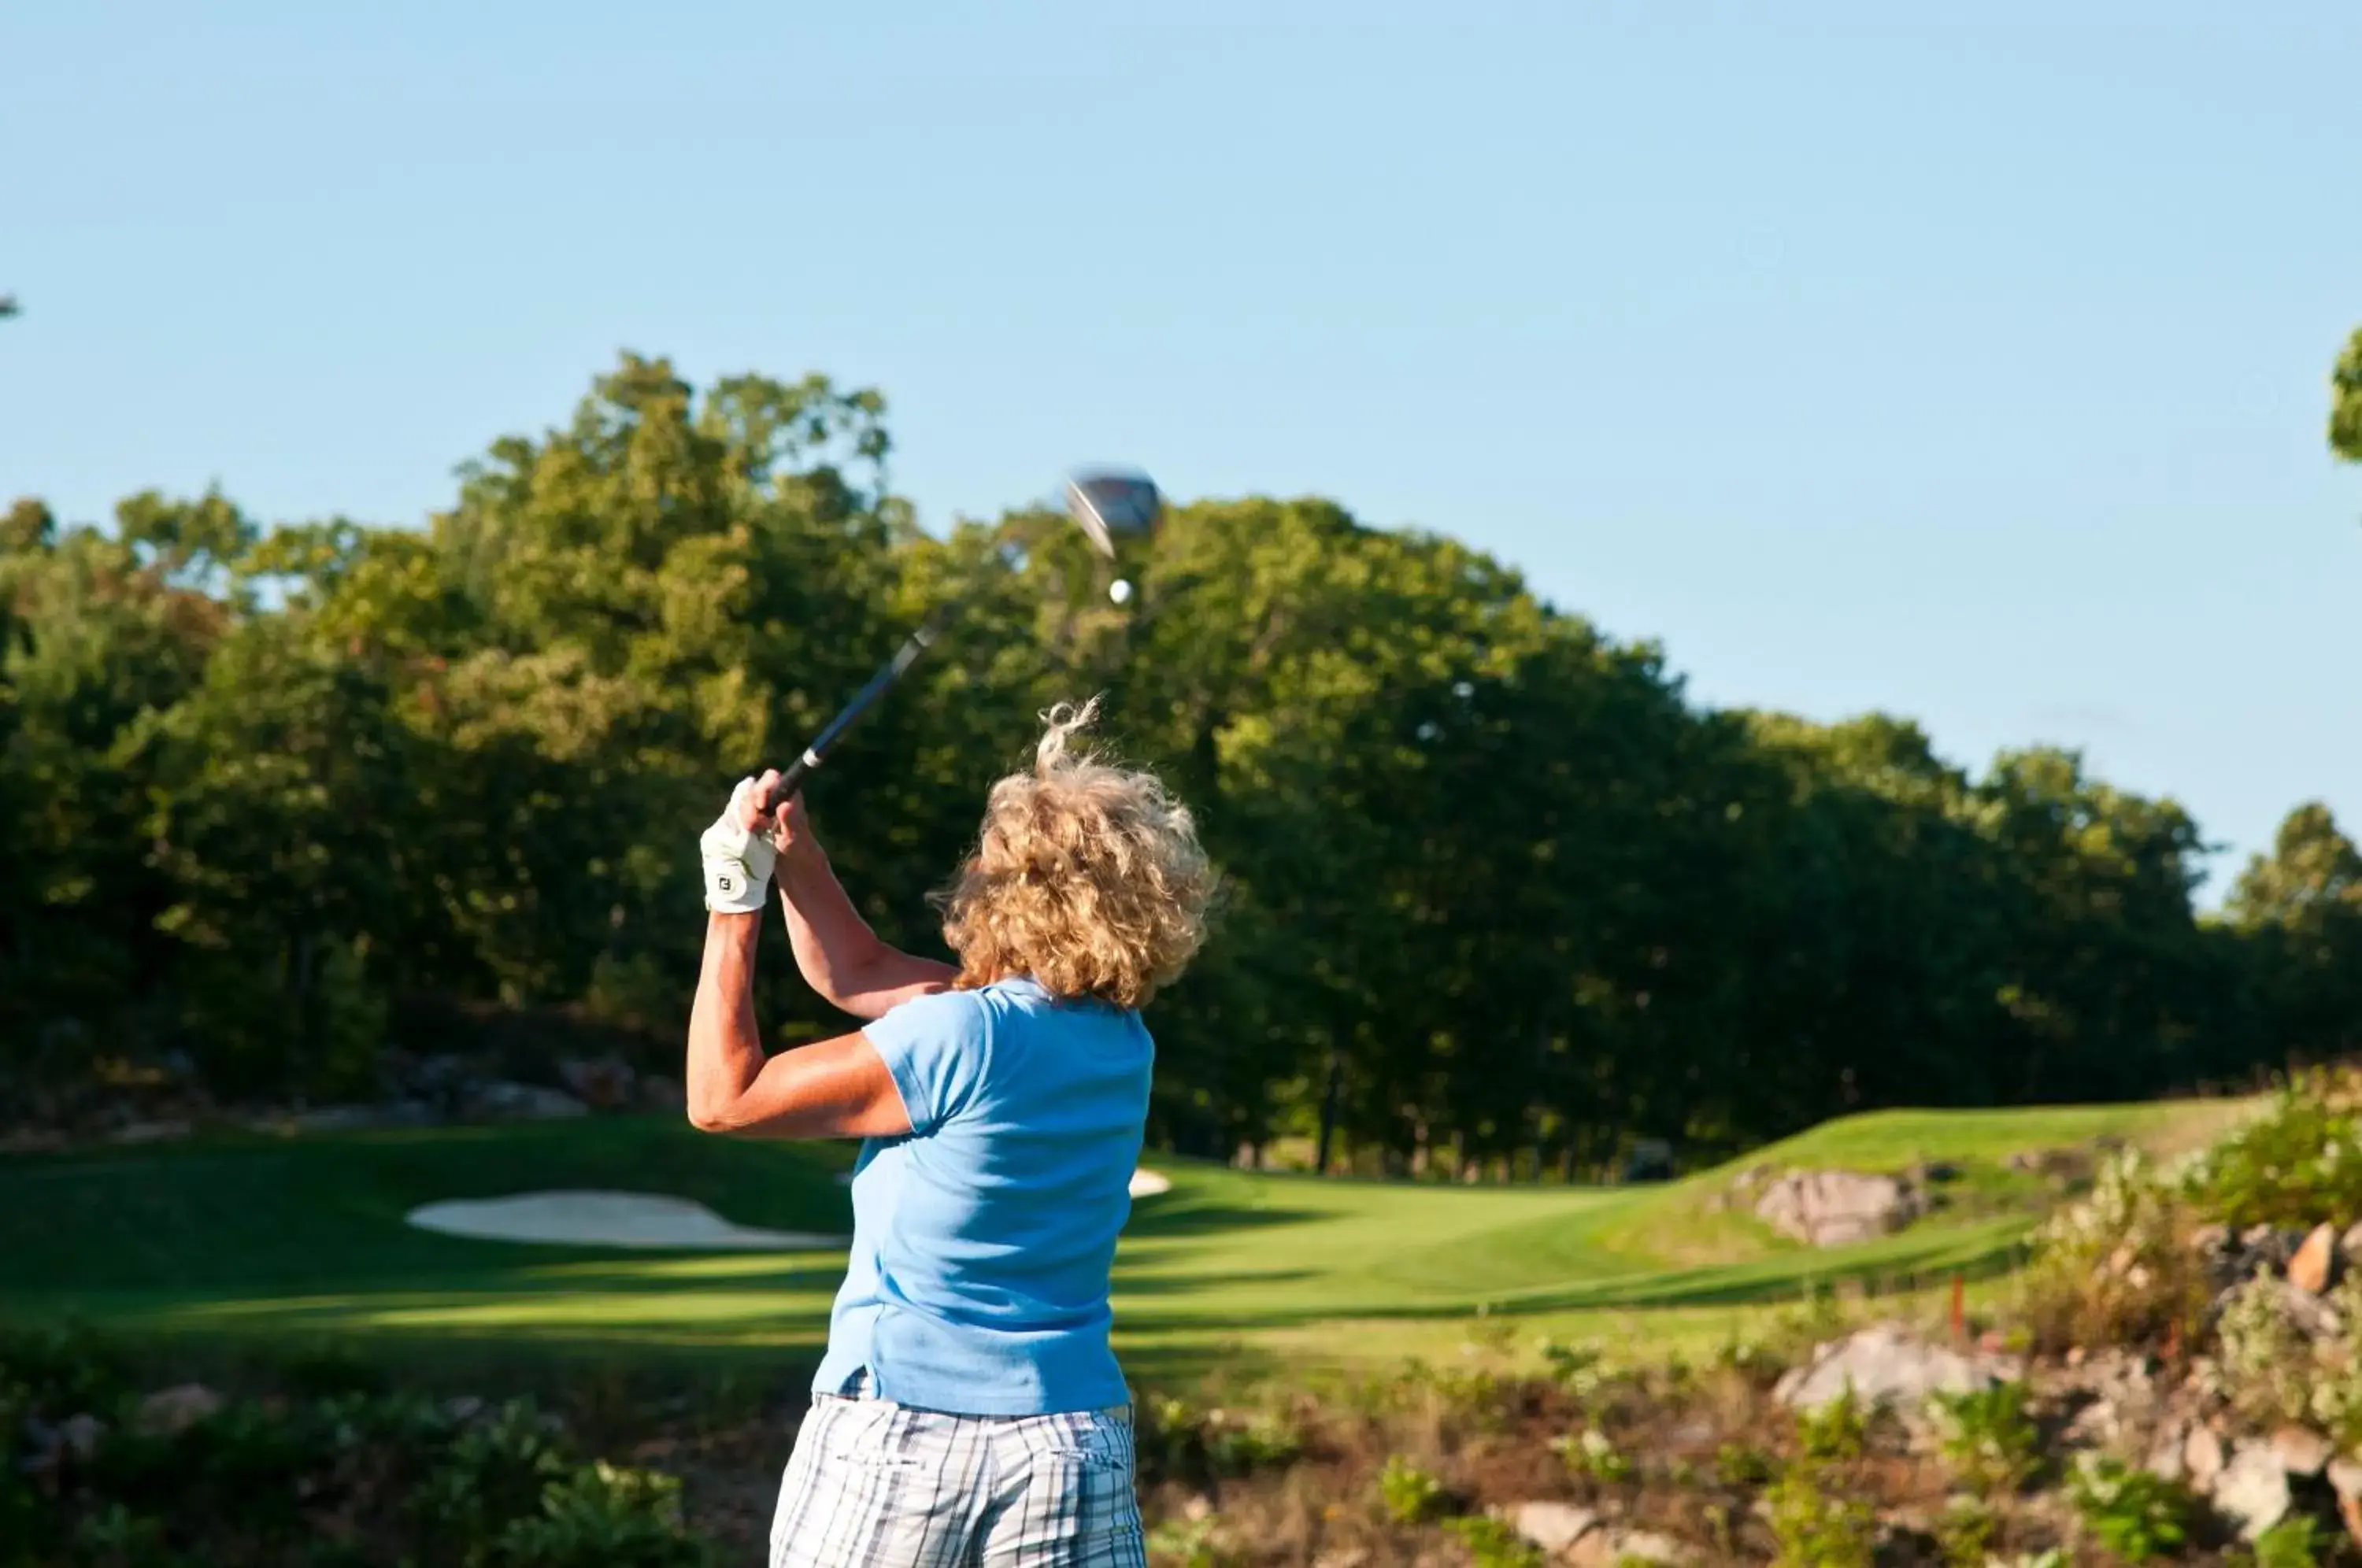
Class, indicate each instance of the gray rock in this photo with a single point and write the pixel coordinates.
(1648, 1546)
(172, 1411)
(2301, 1451)
(503, 1101)
(1553, 1526)
(1835, 1208)
(362, 1118)
(2253, 1491)
(603, 1081)
(2349, 1245)
(151, 1131)
(79, 1435)
(1887, 1364)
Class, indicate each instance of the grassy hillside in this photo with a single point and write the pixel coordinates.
(268, 1240)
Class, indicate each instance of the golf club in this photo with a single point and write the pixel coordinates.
(1106, 503)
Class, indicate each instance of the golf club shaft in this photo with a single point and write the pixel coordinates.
(792, 777)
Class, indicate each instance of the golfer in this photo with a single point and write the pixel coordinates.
(969, 1410)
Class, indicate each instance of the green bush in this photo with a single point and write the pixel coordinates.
(1590, 1454)
(2114, 1268)
(1737, 1465)
(600, 1516)
(1987, 1437)
(2291, 1543)
(1965, 1534)
(1815, 1527)
(2299, 1163)
(2138, 1516)
(493, 1473)
(1411, 1494)
(1837, 1430)
(1492, 1543)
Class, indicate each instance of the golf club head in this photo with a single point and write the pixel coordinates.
(1109, 504)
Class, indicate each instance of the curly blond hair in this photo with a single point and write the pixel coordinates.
(1087, 876)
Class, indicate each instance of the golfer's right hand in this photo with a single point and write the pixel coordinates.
(738, 854)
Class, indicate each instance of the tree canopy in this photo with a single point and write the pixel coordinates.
(278, 798)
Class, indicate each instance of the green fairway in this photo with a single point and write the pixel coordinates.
(274, 1241)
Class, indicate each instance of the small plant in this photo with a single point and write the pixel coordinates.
(601, 1517)
(1412, 1495)
(1965, 1534)
(2296, 1164)
(1188, 1543)
(1578, 1369)
(1589, 1455)
(1737, 1465)
(2294, 1542)
(1837, 1430)
(2138, 1516)
(1987, 1437)
(1815, 1527)
(2112, 1268)
(1492, 1544)
(1260, 1442)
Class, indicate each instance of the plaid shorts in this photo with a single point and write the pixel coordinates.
(876, 1484)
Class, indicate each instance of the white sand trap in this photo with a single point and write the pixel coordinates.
(607, 1219)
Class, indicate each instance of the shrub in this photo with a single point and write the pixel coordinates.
(1188, 1543)
(1816, 1528)
(1588, 1453)
(1411, 1494)
(2138, 1516)
(1965, 1534)
(1492, 1544)
(2298, 1164)
(2113, 1268)
(1837, 1430)
(600, 1516)
(1738, 1465)
(2291, 1543)
(1987, 1437)
(2266, 1361)
(493, 1473)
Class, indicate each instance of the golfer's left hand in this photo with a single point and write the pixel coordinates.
(737, 851)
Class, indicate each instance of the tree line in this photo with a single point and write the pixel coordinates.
(1497, 893)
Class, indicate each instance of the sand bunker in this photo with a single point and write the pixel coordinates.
(608, 1219)
(1148, 1184)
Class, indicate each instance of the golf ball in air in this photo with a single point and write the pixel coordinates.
(1119, 590)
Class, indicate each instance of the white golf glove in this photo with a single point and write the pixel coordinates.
(738, 863)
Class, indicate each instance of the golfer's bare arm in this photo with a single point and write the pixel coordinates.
(840, 957)
(836, 1088)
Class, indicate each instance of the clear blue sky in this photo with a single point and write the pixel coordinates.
(1966, 362)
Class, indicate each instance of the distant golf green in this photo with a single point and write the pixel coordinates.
(259, 1239)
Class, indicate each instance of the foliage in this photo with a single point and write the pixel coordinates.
(2114, 1267)
(2139, 1516)
(1590, 1454)
(1815, 1526)
(1412, 1495)
(1499, 889)
(2297, 1164)
(1988, 1437)
(1965, 1533)
(1493, 1543)
(601, 1516)
(2294, 1542)
(1836, 1430)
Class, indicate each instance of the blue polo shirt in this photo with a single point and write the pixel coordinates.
(982, 1240)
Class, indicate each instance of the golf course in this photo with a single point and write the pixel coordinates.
(257, 1241)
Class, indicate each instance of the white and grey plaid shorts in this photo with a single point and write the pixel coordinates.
(876, 1484)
